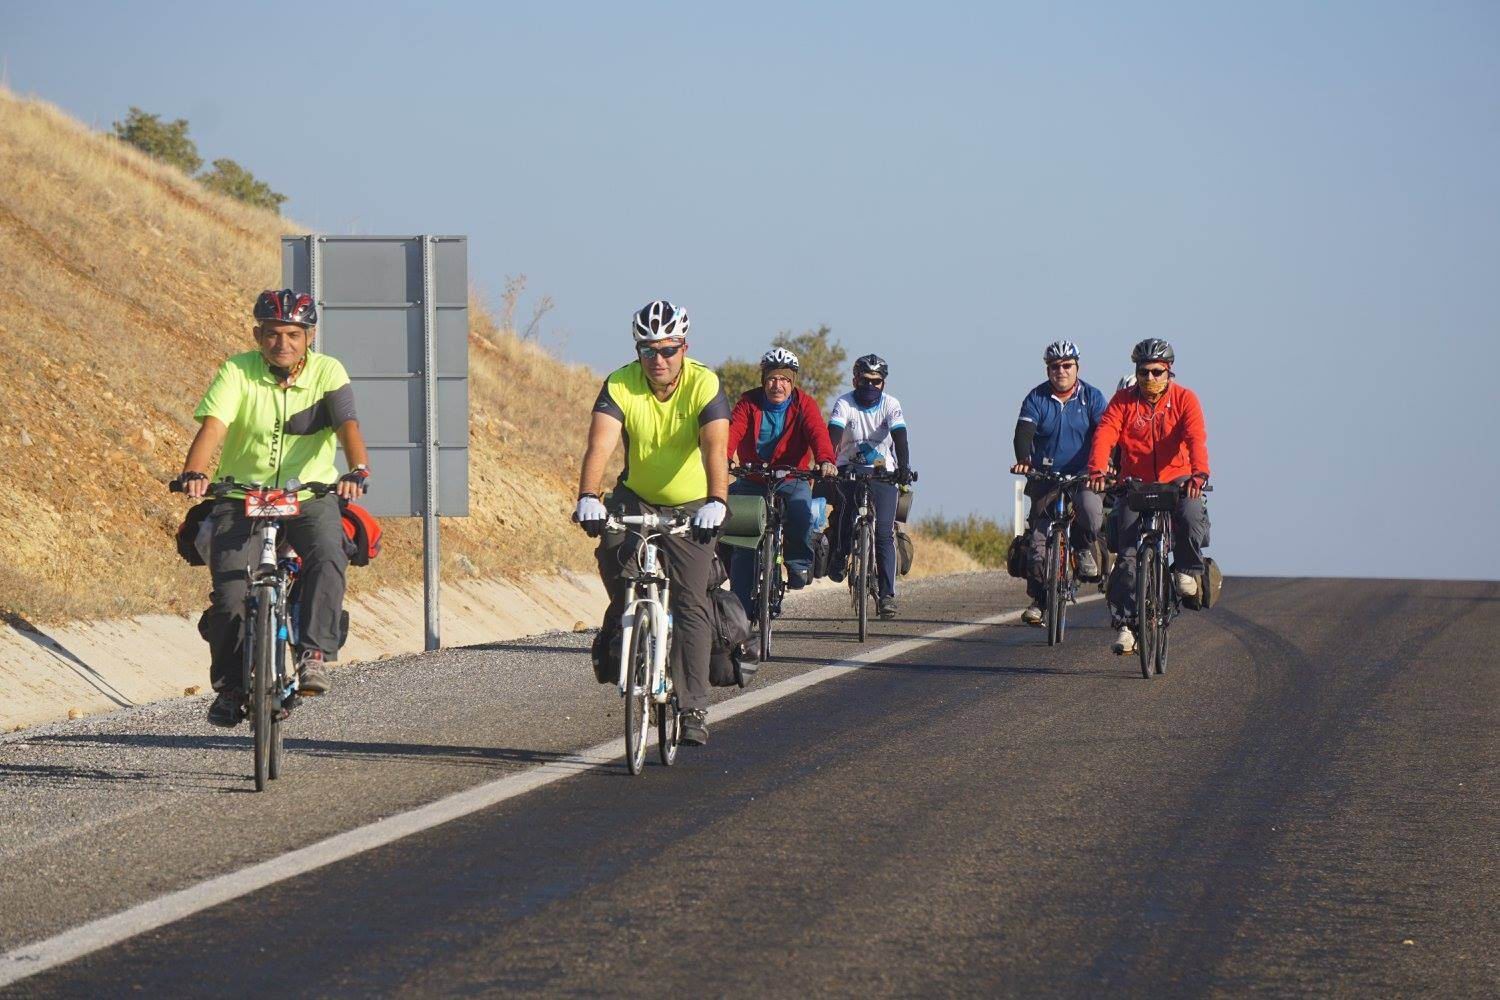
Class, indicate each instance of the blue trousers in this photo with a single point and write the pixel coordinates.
(796, 537)
(883, 497)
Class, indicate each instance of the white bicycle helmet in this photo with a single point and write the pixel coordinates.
(1060, 350)
(779, 357)
(659, 320)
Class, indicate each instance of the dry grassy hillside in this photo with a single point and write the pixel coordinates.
(123, 284)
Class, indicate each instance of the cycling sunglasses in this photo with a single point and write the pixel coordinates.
(1152, 372)
(872, 382)
(1062, 366)
(647, 352)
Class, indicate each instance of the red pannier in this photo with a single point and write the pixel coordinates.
(361, 533)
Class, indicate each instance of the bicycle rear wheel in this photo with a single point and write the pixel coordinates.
(766, 587)
(1147, 594)
(1053, 575)
(263, 674)
(637, 715)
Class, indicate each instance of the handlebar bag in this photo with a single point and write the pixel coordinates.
(195, 534)
(1154, 496)
(361, 533)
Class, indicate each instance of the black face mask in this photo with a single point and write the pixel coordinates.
(868, 395)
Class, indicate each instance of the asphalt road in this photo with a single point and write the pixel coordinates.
(1305, 804)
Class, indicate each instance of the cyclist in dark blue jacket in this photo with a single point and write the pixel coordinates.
(1057, 422)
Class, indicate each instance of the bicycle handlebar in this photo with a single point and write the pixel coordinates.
(674, 524)
(774, 472)
(852, 474)
(224, 487)
(1119, 487)
(1048, 476)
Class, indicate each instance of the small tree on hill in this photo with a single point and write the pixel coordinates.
(821, 375)
(228, 177)
(164, 141)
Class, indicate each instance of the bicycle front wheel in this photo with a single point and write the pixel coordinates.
(1147, 614)
(262, 684)
(668, 731)
(637, 715)
(767, 592)
(1053, 576)
(860, 581)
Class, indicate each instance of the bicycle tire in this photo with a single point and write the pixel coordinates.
(1052, 575)
(262, 674)
(668, 731)
(861, 583)
(766, 561)
(637, 715)
(1161, 650)
(1145, 610)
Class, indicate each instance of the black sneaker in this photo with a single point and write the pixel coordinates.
(836, 569)
(228, 709)
(694, 731)
(886, 608)
(312, 673)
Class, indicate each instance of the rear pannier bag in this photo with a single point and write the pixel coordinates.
(361, 533)
(1210, 585)
(822, 549)
(195, 534)
(1017, 557)
(731, 629)
(906, 549)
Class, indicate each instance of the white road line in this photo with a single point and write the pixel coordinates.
(40, 956)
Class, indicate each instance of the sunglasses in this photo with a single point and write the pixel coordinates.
(872, 382)
(1152, 372)
(1062, 366)
(647, 352)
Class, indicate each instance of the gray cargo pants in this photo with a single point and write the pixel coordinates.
(689, 565)
(1189, 539)
(1088, 521)
(318, 536)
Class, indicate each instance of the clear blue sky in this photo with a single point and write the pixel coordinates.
(1304, 198)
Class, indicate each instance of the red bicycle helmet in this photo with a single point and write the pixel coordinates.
(286, 306)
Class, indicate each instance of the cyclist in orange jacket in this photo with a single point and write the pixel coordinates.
(1160, 431)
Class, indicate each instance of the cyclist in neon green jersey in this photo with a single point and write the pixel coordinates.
(276, 412)
(674, 418)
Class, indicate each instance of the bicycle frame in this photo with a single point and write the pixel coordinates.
(650, 596)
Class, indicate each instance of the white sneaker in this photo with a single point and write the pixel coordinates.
(1186, 584)
(1032, 615)
(1124, 642)
(1088, 566)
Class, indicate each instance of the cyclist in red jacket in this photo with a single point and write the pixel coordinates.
(1159, 428)
(780, 425)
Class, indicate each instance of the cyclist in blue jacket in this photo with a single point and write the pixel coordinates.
(1057, 422)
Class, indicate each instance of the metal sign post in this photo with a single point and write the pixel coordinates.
(394, 310)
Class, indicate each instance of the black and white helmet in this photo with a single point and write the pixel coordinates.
(1153, 349)
(659, 320)
(779, 357)
(1125, 383)
(1060, 350)
(871, 364)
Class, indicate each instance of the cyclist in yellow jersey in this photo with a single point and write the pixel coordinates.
(674, 419)
(275, 413)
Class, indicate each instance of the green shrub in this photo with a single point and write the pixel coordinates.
(228, 177)
(981, 537)
(164, 141)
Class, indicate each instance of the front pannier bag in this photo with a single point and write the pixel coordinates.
(1017, 557)
(361, 533)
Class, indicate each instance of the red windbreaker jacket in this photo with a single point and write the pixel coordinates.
(805, 431)
(1157, 444)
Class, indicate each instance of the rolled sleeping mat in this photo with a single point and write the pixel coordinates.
(745, 523)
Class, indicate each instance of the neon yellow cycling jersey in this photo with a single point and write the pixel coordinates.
(275, 434)
(663, 464)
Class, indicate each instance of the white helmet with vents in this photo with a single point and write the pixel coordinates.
(659, 320)
(778, 357)
(1060, 350)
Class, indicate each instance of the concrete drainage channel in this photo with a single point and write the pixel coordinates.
(49, 675)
